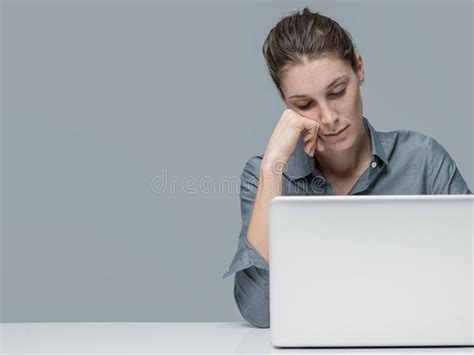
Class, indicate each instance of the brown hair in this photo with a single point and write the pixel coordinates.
(305, 35)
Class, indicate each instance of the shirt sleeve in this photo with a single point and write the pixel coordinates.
(246, 255)
(251, 280)
(252, 297)
(444, 177)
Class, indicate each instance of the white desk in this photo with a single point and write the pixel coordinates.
(190, 338)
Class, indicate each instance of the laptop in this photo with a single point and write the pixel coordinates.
(371, 271)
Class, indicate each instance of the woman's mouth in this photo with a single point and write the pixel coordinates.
(337, 135)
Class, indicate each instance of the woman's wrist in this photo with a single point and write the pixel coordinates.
(272, 167)
(270, 179)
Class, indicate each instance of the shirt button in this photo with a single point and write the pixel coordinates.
(374, 164)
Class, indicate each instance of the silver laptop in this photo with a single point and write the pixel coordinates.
(362, 271)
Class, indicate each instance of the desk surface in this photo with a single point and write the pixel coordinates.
(169, 337)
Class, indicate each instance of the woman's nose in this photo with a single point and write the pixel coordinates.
(328, 116)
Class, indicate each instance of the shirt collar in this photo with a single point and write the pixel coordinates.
(301, 164)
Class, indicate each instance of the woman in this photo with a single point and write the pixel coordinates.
(323, 145)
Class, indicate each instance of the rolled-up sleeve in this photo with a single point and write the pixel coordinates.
(444, 177)
(251, 296)
(251, 281)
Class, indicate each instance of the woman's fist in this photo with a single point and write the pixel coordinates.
(285, 136)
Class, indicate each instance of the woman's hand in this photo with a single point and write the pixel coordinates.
(285, 136)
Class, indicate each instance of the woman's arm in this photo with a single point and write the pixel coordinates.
(261, 180)
(269, 186)
(251, 285)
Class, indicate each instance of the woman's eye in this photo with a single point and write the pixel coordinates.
(305, 107)
(337, 94)
(340, 93)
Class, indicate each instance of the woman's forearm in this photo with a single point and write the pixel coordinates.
(269, 186)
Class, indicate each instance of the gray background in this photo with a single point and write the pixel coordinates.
(100, 97)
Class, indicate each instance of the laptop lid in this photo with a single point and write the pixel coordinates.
(371, 270)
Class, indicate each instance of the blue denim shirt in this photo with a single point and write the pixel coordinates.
(404, 162)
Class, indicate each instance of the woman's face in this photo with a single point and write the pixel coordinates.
(326, 90)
